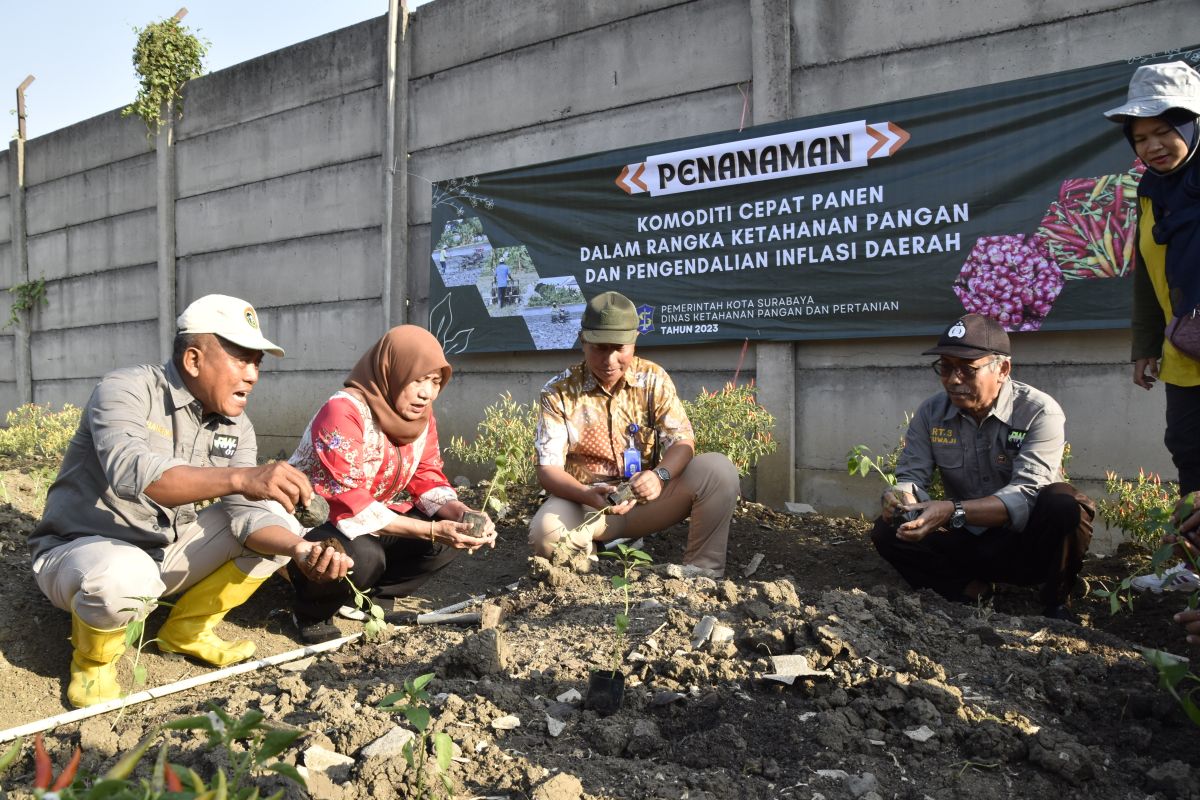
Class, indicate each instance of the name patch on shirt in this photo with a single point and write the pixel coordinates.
(942, 436)
(223, 446)
(1016, 439)
(154, 427)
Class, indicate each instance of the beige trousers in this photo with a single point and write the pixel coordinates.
(706, 491)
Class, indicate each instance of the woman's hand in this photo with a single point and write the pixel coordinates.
(458, 535)
(1145, 372)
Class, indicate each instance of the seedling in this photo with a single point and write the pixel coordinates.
(413, 702)
(373, 628)
(632, 559)
(860, 464)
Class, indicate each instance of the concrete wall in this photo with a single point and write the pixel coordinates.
(278, 194)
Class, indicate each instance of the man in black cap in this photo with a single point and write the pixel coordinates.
(616, 419)
(998, 444)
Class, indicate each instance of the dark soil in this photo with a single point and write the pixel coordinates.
(910, 696)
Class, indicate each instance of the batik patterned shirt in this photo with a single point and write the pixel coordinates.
(586, 429)
(367, 480)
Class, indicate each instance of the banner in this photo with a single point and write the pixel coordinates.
(1014, 200)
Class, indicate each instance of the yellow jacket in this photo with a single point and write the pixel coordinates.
(1152, 307)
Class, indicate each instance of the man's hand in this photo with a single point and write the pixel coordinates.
(646, 485)
(319, 563)
(1190, 620)
(597, 497)
(893, 500)
(278, 481)
(1145, 372)
(934, 514)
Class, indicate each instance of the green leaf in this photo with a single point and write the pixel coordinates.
(139, 675)
(418, 716)
(443, 745)
(407, 751)
(202, 723)
(288, 771)
(619, 582)
(133, 632)
(621, 622)
(10, 755)
(422, 681)
(389, 703)
(275, 742)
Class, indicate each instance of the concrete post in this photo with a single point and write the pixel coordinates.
(395, 291)
(771, 45)
(164, 145)
(21, 339)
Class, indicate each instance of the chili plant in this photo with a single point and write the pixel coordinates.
(413, 702)
(632, 559)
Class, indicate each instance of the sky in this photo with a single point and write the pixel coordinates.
(80, 53)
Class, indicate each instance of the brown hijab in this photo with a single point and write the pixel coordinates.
(404, 354)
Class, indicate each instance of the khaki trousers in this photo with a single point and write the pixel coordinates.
(104, 577)
(706, 491)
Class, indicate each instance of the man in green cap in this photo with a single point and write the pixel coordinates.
(616, 418)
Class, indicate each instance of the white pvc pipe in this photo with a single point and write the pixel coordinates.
(171, 688)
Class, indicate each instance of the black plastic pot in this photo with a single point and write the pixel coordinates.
(605, 690)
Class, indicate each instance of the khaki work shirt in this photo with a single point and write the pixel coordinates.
(1012, 454)
(585, 429)
(139, 423)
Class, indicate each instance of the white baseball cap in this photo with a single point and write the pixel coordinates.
(229, 318)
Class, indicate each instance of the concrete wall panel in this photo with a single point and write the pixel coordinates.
(5, 218)
(336, 63)
(4, 187)
(9, 399)
(334, 131)
(345, 197)
(1070, 44)
(105, 191)
(682, 49)
(826, 31)
(329, 336)
(8, 371)
(703, 112)
(102, 298)
(104, 139)
(91, 352)
(59, 392)
(114, 242)
(316, 269)
(7, 269)
(452, 32)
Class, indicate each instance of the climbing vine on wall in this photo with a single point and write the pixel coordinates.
(167, 55)
(28, 296)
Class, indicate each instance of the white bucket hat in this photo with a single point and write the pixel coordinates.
(229, 318)
(1156, 88)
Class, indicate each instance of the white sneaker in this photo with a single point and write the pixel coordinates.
(349, 612)
(1174, 579)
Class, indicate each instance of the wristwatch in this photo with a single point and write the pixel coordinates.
(663, 474)
(959, 518)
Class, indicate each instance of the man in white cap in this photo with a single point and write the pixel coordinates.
(131, 514)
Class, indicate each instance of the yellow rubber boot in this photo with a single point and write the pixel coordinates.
(93, 664)
(190, 628)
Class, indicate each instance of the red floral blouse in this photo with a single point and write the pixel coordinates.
(367, 480)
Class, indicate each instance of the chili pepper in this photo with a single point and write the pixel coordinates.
(125, 766)
(1101, 183)
(173, 782)
(42, 769)
(68, 774)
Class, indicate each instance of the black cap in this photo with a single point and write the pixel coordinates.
(972, 336)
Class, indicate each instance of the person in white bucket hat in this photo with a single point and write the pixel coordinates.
(1159, 118)
(160, 493)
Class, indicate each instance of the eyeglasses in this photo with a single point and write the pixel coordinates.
(944, 369)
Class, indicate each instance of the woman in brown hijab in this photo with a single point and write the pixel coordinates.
(372, 452)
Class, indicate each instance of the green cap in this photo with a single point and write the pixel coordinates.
(610, 318)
